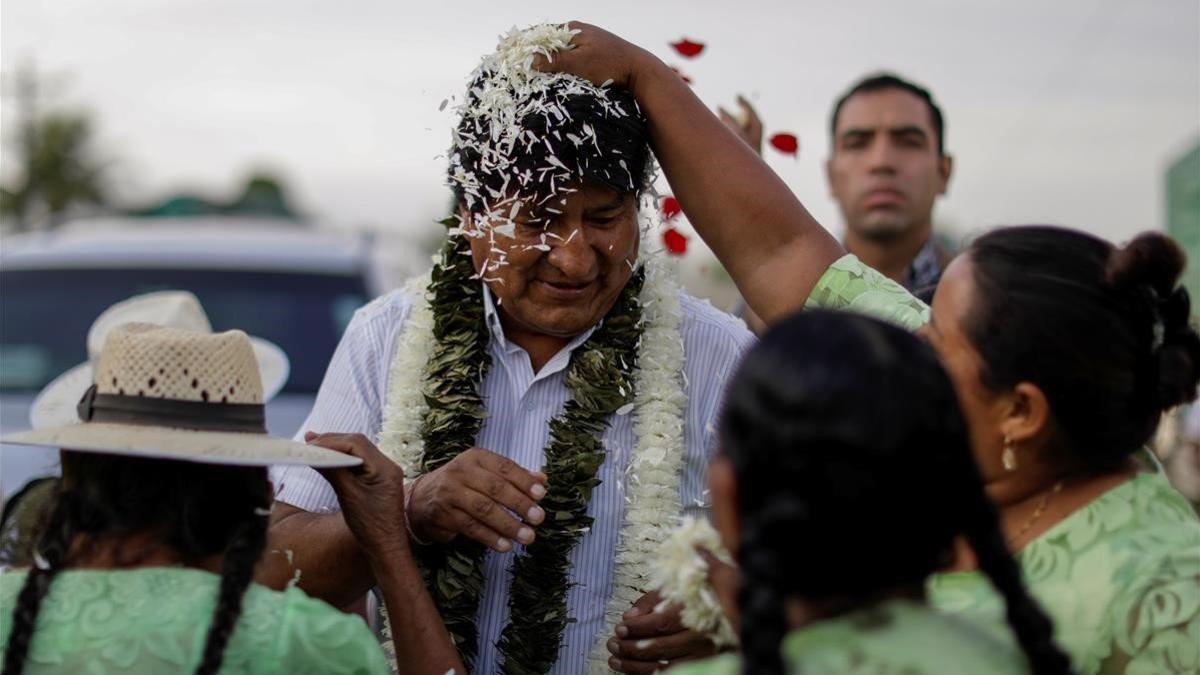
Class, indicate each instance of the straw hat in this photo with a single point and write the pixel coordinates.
(167, 393)
(55, 405)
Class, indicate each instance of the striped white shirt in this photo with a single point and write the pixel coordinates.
(520, 404)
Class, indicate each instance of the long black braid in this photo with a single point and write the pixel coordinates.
(50, 555)
(1034, 630)
(236, 574)
(855, 478)
(761, 604)
(196, 511)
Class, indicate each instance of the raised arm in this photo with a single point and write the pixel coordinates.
(774, 250)
(372, 499)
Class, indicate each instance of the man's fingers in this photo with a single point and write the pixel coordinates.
(687, 644)
(651, 625)
(528, 482)
(492, 514)
(508, 496)
(644, 604)
(468, 526)
(636, 667)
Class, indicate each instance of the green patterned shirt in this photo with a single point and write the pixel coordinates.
(851, 286)
(154, 620)
(897, 637)
(1120, 577)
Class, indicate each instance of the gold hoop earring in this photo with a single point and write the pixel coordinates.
(1008, 457)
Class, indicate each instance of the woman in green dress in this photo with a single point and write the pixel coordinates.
(1064, 350)
(835, 419)
(146, 562)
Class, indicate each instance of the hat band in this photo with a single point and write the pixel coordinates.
(159, 412)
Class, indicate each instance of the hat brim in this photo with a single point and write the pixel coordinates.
(55, 404)
(206, 447)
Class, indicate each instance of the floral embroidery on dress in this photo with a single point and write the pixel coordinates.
(1120, 578)
(156, 619)
(852, 286)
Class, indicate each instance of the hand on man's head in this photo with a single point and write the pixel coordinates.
(480, 495)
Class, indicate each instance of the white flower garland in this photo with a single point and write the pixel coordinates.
(651, 485)
(680, 576)
(400, 435)
(652, 478)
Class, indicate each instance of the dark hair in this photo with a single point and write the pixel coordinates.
(617, 155)
(846, 437)
(1102, 331)
(198, 510)
(882, 81)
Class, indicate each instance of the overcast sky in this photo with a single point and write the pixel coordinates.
(1065, 112)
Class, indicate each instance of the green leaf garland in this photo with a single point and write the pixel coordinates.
(600, 378)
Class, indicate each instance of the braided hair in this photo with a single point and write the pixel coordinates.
(847, 433)
(49, 556)
(107, 498)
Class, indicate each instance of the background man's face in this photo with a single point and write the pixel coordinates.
(561, 275)
(885, 170)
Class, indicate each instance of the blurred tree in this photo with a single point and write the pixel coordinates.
(263, 196)
(58, 171)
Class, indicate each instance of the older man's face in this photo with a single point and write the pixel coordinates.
(886, 169)
(560, 273)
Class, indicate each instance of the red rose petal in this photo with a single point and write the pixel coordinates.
(788, 144)
(683, 77)
(670, 207)
(675, 241)
(687, 48)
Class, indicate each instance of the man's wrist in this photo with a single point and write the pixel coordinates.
(410, 488)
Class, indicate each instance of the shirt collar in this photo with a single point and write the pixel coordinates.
(926, 268)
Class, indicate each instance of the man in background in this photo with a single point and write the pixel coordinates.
(887, 167)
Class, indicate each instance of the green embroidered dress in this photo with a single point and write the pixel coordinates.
(1120, 577)
(894, 638)
(155, 620)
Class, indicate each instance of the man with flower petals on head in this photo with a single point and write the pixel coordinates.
(548, 389)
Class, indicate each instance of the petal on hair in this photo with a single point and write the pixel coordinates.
(688, 48)
(786, 143)
(675, 241)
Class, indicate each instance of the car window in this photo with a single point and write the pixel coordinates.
(45, 314)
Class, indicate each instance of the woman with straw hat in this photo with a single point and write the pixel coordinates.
(146, 561)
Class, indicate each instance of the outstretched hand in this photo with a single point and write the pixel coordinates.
(748, 126)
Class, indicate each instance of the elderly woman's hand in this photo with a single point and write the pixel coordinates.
(371, 494)
(599, 56)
